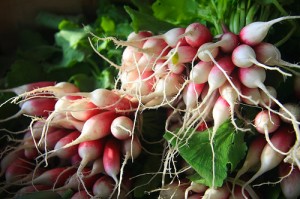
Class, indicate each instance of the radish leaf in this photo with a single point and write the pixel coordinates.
(229, 147)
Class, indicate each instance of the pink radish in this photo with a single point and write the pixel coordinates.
(111, 101)
(176, 68)
(182, 54)
(244, 56)
(138, 39)
(269, 54)
(197, 34)
(191, 93)
(56, 176)
(282, 140)
(221, 113)
(40, 107)
(217, 193)
(103, 187)
(31, 189)
(265, 99)
(254, 77)
(97, 167)
(112, 160)
(266, 122)
(207, 51)
(28, 87)
(89, 151)
(74, 183)
(216, 77)
(199, 73)
(81, 195)
(122, 127)
(95, 128)
(67, 152)
(290, 182)
(9, 158)
(253, 157)
(131, 148)
(154, 47)
(195, 188)
(130, 56)
(255, 32)
(293, 108)
(19, 169)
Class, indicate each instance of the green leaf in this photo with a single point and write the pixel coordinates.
(143, 21)
(107, 24)
(175, 11)
(229, 147)
(69, 41)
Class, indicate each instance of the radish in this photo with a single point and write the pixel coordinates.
(195, 188)
(112, 160)
(108, 100)
(28, 87)
(182, 54)
(197, 34)
(266, 122)
(81, 195)
(253, 77)
(58, 90)
(83, 111)
(269, 54)
(39, 107)
(103, 187)
(56, 176)
(154, 47)
(207, 51)
(217, 193)
(199, 73)
(95, 128)
(9, 158)
(96, 168)
(289, 183)
(293, 108)
(18, 170)
(89, 151)
(31, 189)
(255, 32)
(221, 113)
(130, 56)
(176, 68)
(282, 140)
(253, 157)
(265, 99)
(122, 127)
(244, 56)
(191, 94)
(216, 78)
(67, 152)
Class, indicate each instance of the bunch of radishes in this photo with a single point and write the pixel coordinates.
(72, 143)
(198, 77)
(212, 77)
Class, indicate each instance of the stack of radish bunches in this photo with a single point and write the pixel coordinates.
(201, 79)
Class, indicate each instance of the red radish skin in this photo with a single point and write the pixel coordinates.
(89, 151)
(282, 140)
(83, 111)
(81, 195)
(197, 34)
(67, 152)
(103, 187)
(28, 87)
(252, 159)
(56, 176)
(9, 158)
(95, 128)
(290, 182)
(112, 160)
(31, 189)
(18, 170)
(255, 32)
(40, 107)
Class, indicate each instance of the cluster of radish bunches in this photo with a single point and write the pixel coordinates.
(78, 141)
(204, 79)
(82, 140)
